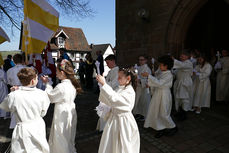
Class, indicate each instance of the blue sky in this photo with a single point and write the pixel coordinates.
(99, 29)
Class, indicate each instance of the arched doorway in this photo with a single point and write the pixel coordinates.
(210, 27)
(183, 26)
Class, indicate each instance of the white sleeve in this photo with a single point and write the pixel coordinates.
(179, 64)
(218, 65)
(116, 100)
(205, 74)
(144, 79)
(45, 105)
(55, 95)
(154, 82)
(113, 81)
(225, 69)
(8, 103)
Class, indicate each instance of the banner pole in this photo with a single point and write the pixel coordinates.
(26, 41)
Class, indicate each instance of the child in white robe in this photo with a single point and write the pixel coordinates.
(111, 80)
(29, 105)
(3, 91)
(183, 86)
(201, 84)
(63, 130)
(158, 116)
(222, 69)
(143, 96)
(121, 133)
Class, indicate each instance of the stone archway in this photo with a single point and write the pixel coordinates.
(180, 20)
(179, 23)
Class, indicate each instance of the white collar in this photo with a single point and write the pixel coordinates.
(116, 67)
(66, 80)
(25, 88)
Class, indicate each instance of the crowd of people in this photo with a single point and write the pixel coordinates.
(87, 68)
(142, 92)
(185, 82)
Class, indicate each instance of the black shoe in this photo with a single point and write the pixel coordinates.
(182, 115)
(9, 133)
(159, 134)
(171, 132)
(142, 118)
(137, 116)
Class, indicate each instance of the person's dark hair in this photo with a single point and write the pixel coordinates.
(186, 52)
(143, 55)
(89, 57)
(166, 60)
(128, 72)
(193, 52)
(25, 75)
(146, 57)
(9, 56)
(204, 56)
(67, 68)
(18, 58)
(110, 57)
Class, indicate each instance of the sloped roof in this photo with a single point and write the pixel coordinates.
(76, 42)
(99, 47)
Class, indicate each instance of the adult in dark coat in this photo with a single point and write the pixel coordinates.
(89, 69)
(8, 63)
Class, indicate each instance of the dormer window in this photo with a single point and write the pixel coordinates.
(61, 42)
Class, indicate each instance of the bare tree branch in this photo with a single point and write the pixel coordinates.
(14, 22)
(11, 11)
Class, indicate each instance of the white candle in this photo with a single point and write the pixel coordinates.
(97, 67)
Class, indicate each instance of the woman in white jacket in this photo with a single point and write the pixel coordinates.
(201, 84)
(63, 130)
(121, 133)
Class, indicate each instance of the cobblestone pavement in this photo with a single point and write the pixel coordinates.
(204, 133)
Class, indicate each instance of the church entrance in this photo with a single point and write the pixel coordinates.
(209, 30)
(200, 25)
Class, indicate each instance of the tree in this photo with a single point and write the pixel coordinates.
(11, 11)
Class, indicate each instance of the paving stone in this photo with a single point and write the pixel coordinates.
(182, 147)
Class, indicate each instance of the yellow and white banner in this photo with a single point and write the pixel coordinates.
(41, 21)
(3, 36)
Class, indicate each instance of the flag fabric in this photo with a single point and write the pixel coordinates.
(41, 21)
(35, 60)
(3, 36)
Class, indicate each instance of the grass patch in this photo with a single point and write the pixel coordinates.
(5, 53)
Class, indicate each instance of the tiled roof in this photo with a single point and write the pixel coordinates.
(99, 47)
(76, 42)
